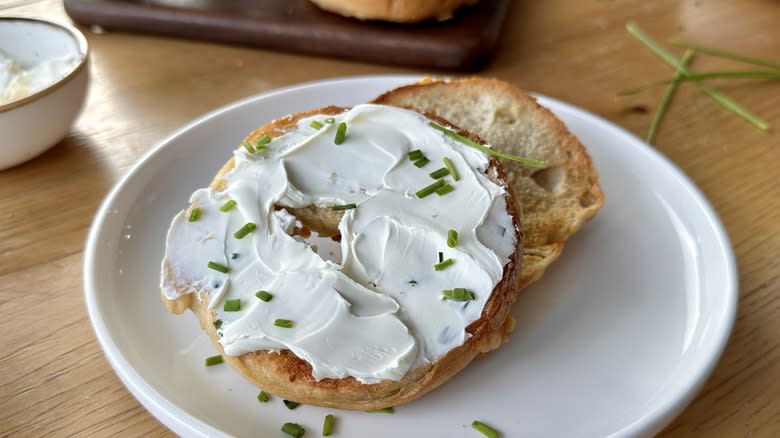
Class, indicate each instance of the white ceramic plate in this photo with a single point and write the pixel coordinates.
(615, 340)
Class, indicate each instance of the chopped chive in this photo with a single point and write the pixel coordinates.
(768, 74)
(484, 429)
(285, 323)
(249, 148)
(427, 190)
(415, 154)
(228, 205)
(218, 267)
(264, 140)
(343, 207)
(263, 397)
(452, 238)
(316, 125)
(330, 120)
(194, 214)
(263, 295)
(243, 231)
(293, 429)
(440, 173)
(218, 324)
(422, 161)
(662, 107)
(458, 294)
(451, 167)
(724, 53)
(327, 425)
(214, 360)
(232, 305)
(473, 144)
(443, 190)
(341, 133)
(290, 404)
(389, 410)
(441, 256)
(444, 264)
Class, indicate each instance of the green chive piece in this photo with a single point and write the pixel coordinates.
(194, 214)
(724, 53)
(484, 149)
(443, 190)
(285, 323)
(316, 125)
(243, 231)
(415, 154)
(662, 107)
(343, 207)
(440, 173)
(747, 74)
(228, 205)
(290, 404)
(264, 295)
(427, 190)
(249, 148)
(452, 238)
(214, 360)
(420, 162)
(458, 294)
(330, 120)
(327, 425)
(443, 265)
(341, 133)
(264, 140)
(451, 167)
(389, 410)
(263, 397)
(218, 267)
(293, 429)
(484, 429)
(218, 324)
(232, 305)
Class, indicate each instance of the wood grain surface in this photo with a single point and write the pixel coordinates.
(54, 379)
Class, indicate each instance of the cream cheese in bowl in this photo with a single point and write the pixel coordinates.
(18, 81)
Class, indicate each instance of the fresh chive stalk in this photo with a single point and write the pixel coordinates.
(330, 120)
(724, 54)
(243, 231)
(343, 207)
(415, 154)
(443, 190)
(327, 425)
(422, 161)
(214, 360)
(443, 265)
(452, 238)
(341, 133)
(284, 323)
(290, 404)
(227, 206)
(219, 267)
(293, 429)
(451, 167)
(747, 74)
(316, 125)
(428, 190)
(390, 410)
(473, 144)
(232, 305)
(249, 148)
(458, 294)
(661, 111)
(439, 173)
(194, 214)
(263, 397)
(264, 295)
(484, 429)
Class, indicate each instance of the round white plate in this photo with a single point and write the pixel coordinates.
(614, 340)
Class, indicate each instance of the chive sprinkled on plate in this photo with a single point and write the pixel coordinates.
(341, 133)
(316, 125)
(219, 267)
(422, 161)
(439, 173)
(232, 305)
(214, 360)
(427, 190)
(290, 404)
(264, 295)
(263, 397)
(452, 238)
(484, 429)
(330, 120)
(246, 229)
(473, 144)
(228, 205)
(443, 265)
(284, 323)
(194, 214)
(249, 148)
(458, 294)
(443, 190)
(343, 207)
(415, 154)
(451, 167)
(293, 429)
(217, 323)
(327, 425)
(389, 410)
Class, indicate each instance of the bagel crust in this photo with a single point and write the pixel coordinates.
(288, 376)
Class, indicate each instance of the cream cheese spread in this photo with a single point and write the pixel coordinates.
(18, 82)
(380, 312)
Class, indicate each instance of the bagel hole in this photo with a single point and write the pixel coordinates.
(328, 248)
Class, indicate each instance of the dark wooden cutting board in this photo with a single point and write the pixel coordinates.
(465, 42)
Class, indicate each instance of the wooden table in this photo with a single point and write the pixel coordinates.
(53, 376)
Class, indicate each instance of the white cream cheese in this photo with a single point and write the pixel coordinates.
(380, 312)
(18, 82)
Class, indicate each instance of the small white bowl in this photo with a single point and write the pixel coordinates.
(33, 124)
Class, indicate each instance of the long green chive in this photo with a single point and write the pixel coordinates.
(232, 305)
(484, 429)
(327, 425)
(249, 148)
(228, 205)
(724, 53)
(458, 294)
(390, 410)
(444, 264)
(452, 238)
(290, 404)
(422, 161)
(217, 323)
(316, 125)
(243, 231)
(214, 360)
(341, 133)
(263, 397)
(427, 190)
(471, 143)
(439, 173)
(415, 154)
(194, 214)
(330, 120)
(443, 190)
(218, 267)
(451, 167)
(263, 295)
(285, 323)
(661, 111)
(343, 207)
(747, 74)
(670, 59)
(293, 429)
